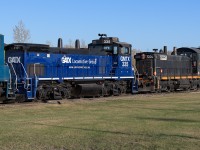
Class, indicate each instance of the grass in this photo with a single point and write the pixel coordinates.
(169, 121)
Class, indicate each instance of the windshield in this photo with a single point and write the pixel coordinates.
(144, 67)
(125, 50)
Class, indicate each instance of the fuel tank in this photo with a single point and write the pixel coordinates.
(86, 90)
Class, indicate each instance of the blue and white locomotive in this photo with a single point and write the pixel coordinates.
(43, 72)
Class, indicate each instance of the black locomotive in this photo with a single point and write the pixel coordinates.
(159, 71)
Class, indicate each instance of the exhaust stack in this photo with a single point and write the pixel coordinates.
(60, 43)
(77, 44)
(165, 50)
(174, 51)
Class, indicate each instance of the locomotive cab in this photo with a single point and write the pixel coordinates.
(120, 54)
(109, 46)
(194, 55)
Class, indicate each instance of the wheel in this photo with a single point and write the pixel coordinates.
(168, 89)
(40, 94)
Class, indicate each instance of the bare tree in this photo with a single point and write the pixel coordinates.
(21, 34)
(49, 43)
(133, 53)
(83, 45)
(70, 44)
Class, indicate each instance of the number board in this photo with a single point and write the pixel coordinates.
(106, 41)
(149, 56)
(163, 57)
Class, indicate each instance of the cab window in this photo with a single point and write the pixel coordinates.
(125, 50)
(115, 50)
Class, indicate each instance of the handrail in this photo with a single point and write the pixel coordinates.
(15, 75)
(10, 86)
(25, 85)
(136, 73)
(34, 69)
(24, 70)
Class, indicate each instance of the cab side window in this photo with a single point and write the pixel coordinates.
(115, 50)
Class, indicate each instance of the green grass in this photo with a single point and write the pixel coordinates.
(168, 121)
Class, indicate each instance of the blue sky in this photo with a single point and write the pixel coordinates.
(146, 24)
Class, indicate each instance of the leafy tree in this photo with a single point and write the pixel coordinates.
(20, 33)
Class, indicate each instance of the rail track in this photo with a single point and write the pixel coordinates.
(123, 96)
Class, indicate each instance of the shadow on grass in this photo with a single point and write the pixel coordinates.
(159, 109)
(169, 119)
(178, 136)
(178, 110)
(83, 129)
(122, 133)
